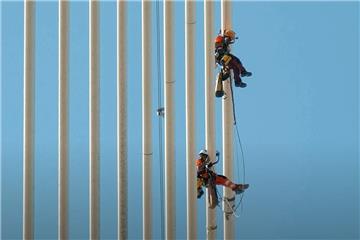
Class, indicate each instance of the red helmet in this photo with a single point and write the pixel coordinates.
(219, 39)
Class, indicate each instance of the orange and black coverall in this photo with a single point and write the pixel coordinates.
(222, 48)
(205, 176)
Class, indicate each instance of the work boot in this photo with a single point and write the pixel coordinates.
(240, 188)
(200, 192)
(246, 74)
(240, 84)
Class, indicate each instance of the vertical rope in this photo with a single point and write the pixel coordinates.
(237, 131)
(241, 149)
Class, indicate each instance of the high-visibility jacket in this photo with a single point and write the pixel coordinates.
(221, 48)
(204, 169)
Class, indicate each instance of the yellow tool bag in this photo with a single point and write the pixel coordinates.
(225, 60)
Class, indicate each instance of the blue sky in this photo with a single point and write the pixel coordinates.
(298, 119)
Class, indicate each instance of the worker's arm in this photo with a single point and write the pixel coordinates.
(217, 160)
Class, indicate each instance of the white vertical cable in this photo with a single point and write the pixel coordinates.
(169, 122)
(190, 118)
(63, 121)
(146, 118)
(28, 147)
(94, 150)
(209, 104)
(227, 125)
(122, 161)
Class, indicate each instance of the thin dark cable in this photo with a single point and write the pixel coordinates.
(242, 153)
(234, 116)
(237, 158)
(232, 98)
(237, 130)
(240, 203)
(160, 125)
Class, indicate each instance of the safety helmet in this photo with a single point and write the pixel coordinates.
(230, 34)
(204, 152)
(219, 39)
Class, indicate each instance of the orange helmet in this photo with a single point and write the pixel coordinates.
(219, 41)
(230, 34)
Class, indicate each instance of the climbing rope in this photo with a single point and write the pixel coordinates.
(236, 129)
(160, 125)
(233, 208)
(226, 201)
(237, 133)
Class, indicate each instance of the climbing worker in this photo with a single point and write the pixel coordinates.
(206, 176)
(224, 58)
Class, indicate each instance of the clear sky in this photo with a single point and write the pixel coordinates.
(298, 119)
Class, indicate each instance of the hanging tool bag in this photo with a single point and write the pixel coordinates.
(219, 91)
(225, 60)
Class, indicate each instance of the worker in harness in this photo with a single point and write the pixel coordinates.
(228, 61)
(206, 176)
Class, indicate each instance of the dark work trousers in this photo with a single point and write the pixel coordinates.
(237, 67)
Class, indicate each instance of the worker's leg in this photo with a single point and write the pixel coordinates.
(224, 181)
(200, 192)
(238, 82)
(199, 183)
(240, 66)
